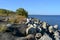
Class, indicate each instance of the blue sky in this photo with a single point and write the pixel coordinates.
(34, 7)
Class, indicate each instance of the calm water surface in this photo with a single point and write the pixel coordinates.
(50, 19)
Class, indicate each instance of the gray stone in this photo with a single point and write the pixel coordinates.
(6, 36)
(30, 37)
(20, 38)
(38, 35)
(45, 37)
(56, 35)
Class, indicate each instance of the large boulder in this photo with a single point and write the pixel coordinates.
(18, 29)
(44, 25)
(51, 29)
(30, 37)
(45, 37)
(20, 38)
(6, 36)
(31, 29)
(22, 28)
(56, 35)
(38, 35)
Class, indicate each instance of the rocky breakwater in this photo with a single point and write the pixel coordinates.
(31, 29)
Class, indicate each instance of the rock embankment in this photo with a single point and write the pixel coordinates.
(31, 29)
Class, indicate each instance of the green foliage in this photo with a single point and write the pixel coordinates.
(19, 11)
(4, 11)
(22, 12)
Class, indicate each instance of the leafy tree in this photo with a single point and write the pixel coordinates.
(2, 11)
(22, 12)
(7, 12)
(19, 11)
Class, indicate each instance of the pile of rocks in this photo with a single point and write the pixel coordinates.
(43, 28)
(31, 29)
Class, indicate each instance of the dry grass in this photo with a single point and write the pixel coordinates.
(16, 19)
(3, 15)
(3, 28)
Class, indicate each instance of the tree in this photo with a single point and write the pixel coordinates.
(2, 11)
(22, 12)
(19, 11)
(7, 12)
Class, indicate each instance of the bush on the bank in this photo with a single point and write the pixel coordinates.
(20, 11)
(4, 12)
(14, 17)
